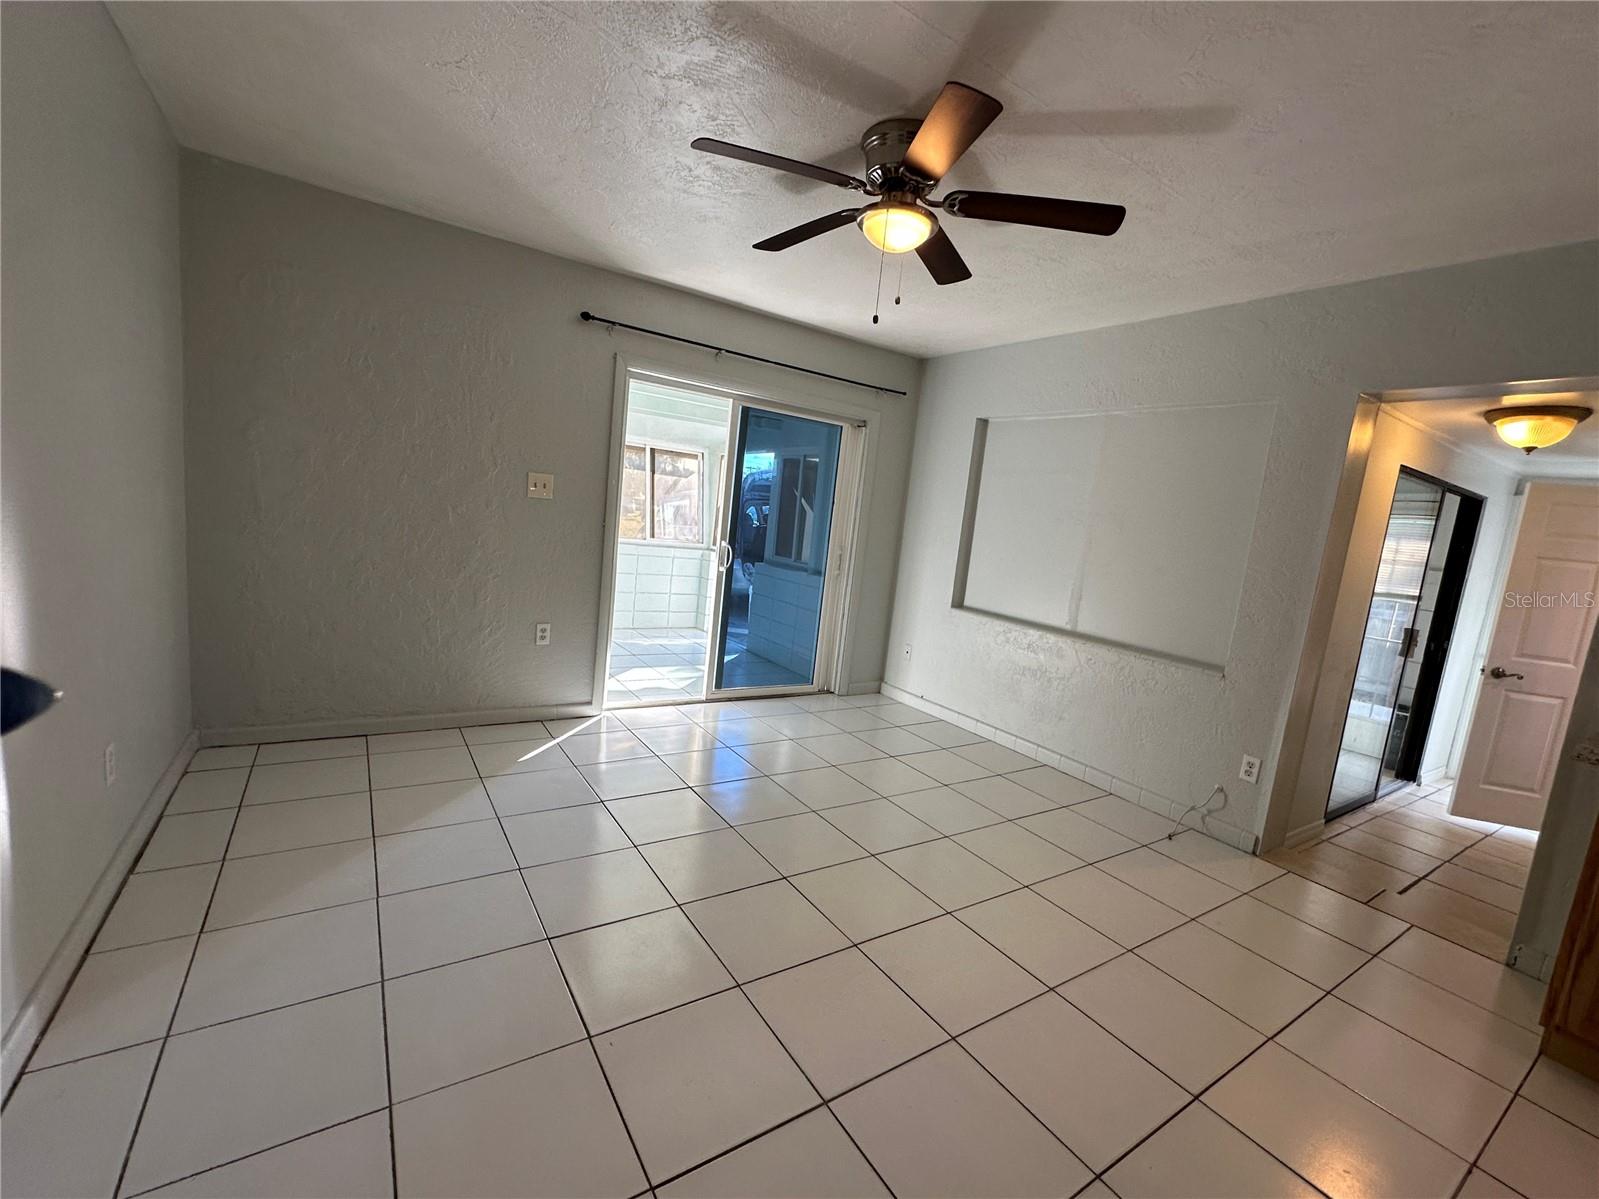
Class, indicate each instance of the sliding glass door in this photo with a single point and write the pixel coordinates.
(778, 510)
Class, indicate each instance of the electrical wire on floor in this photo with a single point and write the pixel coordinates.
(1177, 825)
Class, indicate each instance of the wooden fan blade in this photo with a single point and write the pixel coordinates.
(943, 260)
(777, 162)
(1075, 216)
(810, 229)
(958, 115)
(22, 697)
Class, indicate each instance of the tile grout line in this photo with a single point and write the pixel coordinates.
(257, 1152)
(571, 995)
(155, 1069)
(383, 987)
(739, 985)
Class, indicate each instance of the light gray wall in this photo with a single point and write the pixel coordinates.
(1171, 729)
(366, 391)
(92, 538)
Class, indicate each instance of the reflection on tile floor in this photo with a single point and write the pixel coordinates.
(652, 666)
(819, 946)
(1406, 855)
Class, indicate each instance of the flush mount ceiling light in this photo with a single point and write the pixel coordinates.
(896, 225)
(1532, 427)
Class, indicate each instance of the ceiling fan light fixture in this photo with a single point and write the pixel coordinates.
(1530, 427)
(895, 226)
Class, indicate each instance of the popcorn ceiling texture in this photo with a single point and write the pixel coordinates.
(1175, 730)
(366, 391)
(1259, 148)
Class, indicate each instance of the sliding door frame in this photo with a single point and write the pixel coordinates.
(856, 473)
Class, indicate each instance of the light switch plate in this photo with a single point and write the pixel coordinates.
(540, 487)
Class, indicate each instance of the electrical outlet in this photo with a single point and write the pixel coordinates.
(1249, 771)
(541, 634)
(540, 487)
(110, 763)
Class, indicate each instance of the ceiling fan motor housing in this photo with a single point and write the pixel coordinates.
(884, 146)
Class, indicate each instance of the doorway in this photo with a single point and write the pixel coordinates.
(732, 517)
(1410, 622)
(674, 453)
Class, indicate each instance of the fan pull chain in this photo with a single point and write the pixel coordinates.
(899, 286)
(877, 300)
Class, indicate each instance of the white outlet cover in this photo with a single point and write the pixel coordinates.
(540, 487)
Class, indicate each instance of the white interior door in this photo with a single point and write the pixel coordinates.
(1535, 657)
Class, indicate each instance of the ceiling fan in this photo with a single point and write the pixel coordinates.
(905, 160)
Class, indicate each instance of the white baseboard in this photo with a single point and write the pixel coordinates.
(62, 967)
(1304, 833)
(870, 687)
(1535, 962)
(1220, 830)
(358, 726)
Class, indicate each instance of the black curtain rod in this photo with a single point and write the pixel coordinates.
(705, 345)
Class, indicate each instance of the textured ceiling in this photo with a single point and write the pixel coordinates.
(1259, 149)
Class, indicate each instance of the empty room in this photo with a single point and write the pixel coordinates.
(799, 599)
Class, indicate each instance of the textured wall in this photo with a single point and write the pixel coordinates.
(366, 391)
(1171, 729)
(91, 549)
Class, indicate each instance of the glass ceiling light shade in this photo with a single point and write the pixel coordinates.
(894, 226)
(1531, 427)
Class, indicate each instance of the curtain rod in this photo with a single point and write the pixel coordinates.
(705, 345)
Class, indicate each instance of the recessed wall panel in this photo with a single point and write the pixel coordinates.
(1128, 527)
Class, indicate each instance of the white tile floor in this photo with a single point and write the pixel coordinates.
(783, 948)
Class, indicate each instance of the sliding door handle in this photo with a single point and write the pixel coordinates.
(724, 555)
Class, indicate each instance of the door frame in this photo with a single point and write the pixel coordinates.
(1297, 798)
(740, 384)
(1412, 746)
